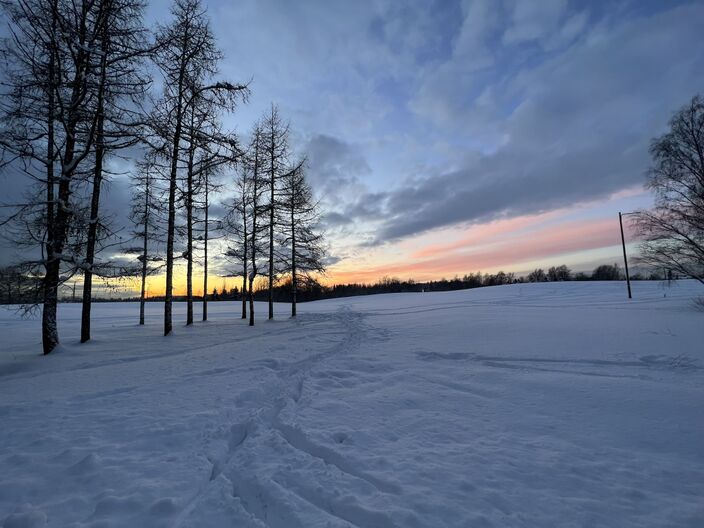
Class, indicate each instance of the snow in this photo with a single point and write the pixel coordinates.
(559, 404)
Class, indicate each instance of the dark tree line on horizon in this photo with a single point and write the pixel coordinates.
(78, 94)
(312, 290)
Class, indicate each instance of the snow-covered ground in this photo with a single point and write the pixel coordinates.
(528, 405)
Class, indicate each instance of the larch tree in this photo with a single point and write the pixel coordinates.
(50, 121)
(301, 235)
(122, 84)
(187, 57)
(255, 157)
(208, 150)
(147, 217)
(191, 137)
(238, 225)
(226, 151)
(275, 160)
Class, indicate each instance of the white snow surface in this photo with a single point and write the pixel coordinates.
(532, 405)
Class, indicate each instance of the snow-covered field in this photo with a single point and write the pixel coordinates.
(528, 405)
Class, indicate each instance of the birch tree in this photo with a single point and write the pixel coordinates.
(673, 231)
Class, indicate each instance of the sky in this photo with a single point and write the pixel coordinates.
(452, 137)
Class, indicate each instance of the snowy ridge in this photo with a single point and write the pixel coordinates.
(526, 405)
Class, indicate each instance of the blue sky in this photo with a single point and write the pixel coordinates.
(424, 121)
(436, 117)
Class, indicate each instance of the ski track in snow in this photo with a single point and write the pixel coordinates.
(527, 405)
(285, 394)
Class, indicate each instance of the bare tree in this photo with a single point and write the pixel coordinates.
(673, 231)
(50, 124)
(276, 152)
(187, 57)
(559, 273)
(121, 83)
(191, 136)
(258, 210)
(221, 150)
(207, 152)
(237, 224)
(537, 275)
(17, 287)
(301, 237)
(147, 216)
(206, 234)
(243, 209)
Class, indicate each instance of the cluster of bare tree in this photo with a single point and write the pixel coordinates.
(78, 94)
(16, 287)
(673, 231)
(273, 220)
(73, 87)
(563, 273)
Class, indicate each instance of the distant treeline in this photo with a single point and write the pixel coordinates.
(315, 291)
(17, 289)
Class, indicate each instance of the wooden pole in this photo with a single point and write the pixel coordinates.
(625, 259)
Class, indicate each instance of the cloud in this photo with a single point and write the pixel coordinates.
(422, 116)
(533, 20)
(486, 251)
(578, 129)
(336, 170)
(334, 165)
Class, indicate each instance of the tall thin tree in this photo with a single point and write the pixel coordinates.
(187, 57)
(121, 83)
(276, 149)
(301, 234)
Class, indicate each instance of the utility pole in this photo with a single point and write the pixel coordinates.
(625, 259)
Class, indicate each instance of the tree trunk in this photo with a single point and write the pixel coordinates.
(92, 229)
(244, 295)
(189, 229)
(251, 301)
(142, 293)
(244, 259)
(271, 249)
(272, 185)
(205, 256)
(255, 214)
(50, 336)
(168, 294)
(294, 284)
(143, 290)
(95, 197)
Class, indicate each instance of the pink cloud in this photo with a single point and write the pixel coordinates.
(487, 233)
(485, 249)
